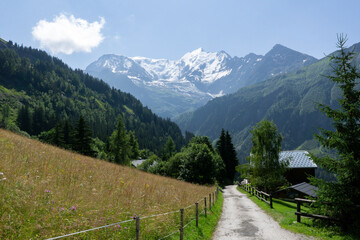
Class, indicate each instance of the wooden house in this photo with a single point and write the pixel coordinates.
(301, 166)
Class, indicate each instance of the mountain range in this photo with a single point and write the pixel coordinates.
(290, 100)
(172, 87)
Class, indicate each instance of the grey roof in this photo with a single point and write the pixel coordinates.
(306, 188)
(136, 163)
(297, 159)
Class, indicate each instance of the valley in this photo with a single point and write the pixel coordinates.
(173, 120)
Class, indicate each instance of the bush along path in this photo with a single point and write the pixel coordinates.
(242, 219)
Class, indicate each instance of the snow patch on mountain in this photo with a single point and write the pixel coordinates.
(195, 78)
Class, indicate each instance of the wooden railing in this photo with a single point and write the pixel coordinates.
(298, 212)
(263, 196)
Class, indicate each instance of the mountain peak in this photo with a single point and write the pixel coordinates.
(280, 48)
(284, 52)
(198, 50)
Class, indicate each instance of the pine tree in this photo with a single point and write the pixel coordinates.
(24, 119)
(119, 144)
(83, 138)
(134, 146)
(68, 137)
(341, 196)
(227, 152)
(58, 137)
(220, 145)
(168, 150)
(38, 120)
(231, 159)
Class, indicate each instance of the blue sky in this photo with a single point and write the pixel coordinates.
(170, 28)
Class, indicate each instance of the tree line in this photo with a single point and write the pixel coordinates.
(38, 91)
(198, 162)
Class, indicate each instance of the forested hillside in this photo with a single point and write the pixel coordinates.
(45, 92)
(289, 100)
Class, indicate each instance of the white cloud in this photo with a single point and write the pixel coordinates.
(67, 34)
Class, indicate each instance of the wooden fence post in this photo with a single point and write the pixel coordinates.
(298, 217)
(205, 207)
(181, 224)
(213, 198)
(137, 228)
(271, 205)
(209, 201)
(197, 214)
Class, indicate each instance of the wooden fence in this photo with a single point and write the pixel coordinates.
(263, 196)
(298, 212)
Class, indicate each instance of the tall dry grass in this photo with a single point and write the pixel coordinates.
(49, 192)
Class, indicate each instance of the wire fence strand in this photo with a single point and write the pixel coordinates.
(151, 216)
(189, 222)
(169, 235)
(161, 214)
(189, 206)
(91, 229)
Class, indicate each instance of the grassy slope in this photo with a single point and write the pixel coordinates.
(284, 213)
(50, 192)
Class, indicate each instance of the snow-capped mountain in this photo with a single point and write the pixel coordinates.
(171, 87)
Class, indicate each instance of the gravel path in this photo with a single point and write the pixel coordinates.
(243, 219)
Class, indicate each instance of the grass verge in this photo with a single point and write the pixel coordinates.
(207, 224)
(284, 213)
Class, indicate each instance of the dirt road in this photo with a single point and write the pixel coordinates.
(243, 219)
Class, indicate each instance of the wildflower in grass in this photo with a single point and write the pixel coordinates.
(47, 191)
(73, 208)
(125, 227)
(62, 209)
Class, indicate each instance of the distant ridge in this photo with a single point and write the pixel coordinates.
(289, 99)
(170, 87)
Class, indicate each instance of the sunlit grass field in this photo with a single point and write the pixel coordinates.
(49, 192)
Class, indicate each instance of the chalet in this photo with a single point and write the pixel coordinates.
(301, 166)
(136, 163)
